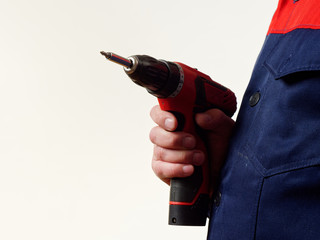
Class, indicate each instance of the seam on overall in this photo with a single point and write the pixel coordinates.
(298, 165)
(257, 197)
(281, 74)
(246, 154)
(257, 209)
(289, 18)
(270, 67)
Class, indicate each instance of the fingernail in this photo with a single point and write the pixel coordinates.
(189, 142)
(198, 158)
(169, 124)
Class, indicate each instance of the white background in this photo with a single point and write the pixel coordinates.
(74, 149)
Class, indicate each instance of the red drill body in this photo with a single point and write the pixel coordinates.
(183, 91)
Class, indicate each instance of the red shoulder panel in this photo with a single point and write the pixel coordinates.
(293, 14)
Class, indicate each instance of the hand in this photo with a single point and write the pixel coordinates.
(174, 153)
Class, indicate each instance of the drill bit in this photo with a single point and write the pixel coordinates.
(125, 62)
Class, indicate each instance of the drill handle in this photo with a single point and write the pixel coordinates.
(189, 197)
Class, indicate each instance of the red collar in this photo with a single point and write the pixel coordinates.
(293, 14)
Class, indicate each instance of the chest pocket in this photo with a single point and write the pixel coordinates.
(298, 51)
(295, 62)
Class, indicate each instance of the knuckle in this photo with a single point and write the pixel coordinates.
(161, 170)
(172, 139)
(158, 115)
(186, 157)
(158, 153)
(153, 135)
(153, 112)
(155, 167)
(217, 117)
(173, 172)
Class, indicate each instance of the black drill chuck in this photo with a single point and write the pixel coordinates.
(161, 78)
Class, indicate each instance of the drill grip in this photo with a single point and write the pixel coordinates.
(189, 197)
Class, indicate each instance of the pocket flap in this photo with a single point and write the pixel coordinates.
(297, 51)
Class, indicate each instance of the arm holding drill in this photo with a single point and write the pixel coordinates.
(183, 92)
(175, 154)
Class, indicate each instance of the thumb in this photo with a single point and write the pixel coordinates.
(215, 121)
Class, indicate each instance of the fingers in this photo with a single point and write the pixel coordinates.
(165, 171)
(172, 140)
(164, 119)
(177, 156)
(215, 121)
(174, 154)
(168, 164)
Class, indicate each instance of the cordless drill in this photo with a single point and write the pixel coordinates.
(183, 91)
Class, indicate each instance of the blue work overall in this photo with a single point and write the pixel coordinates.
(270, 184)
